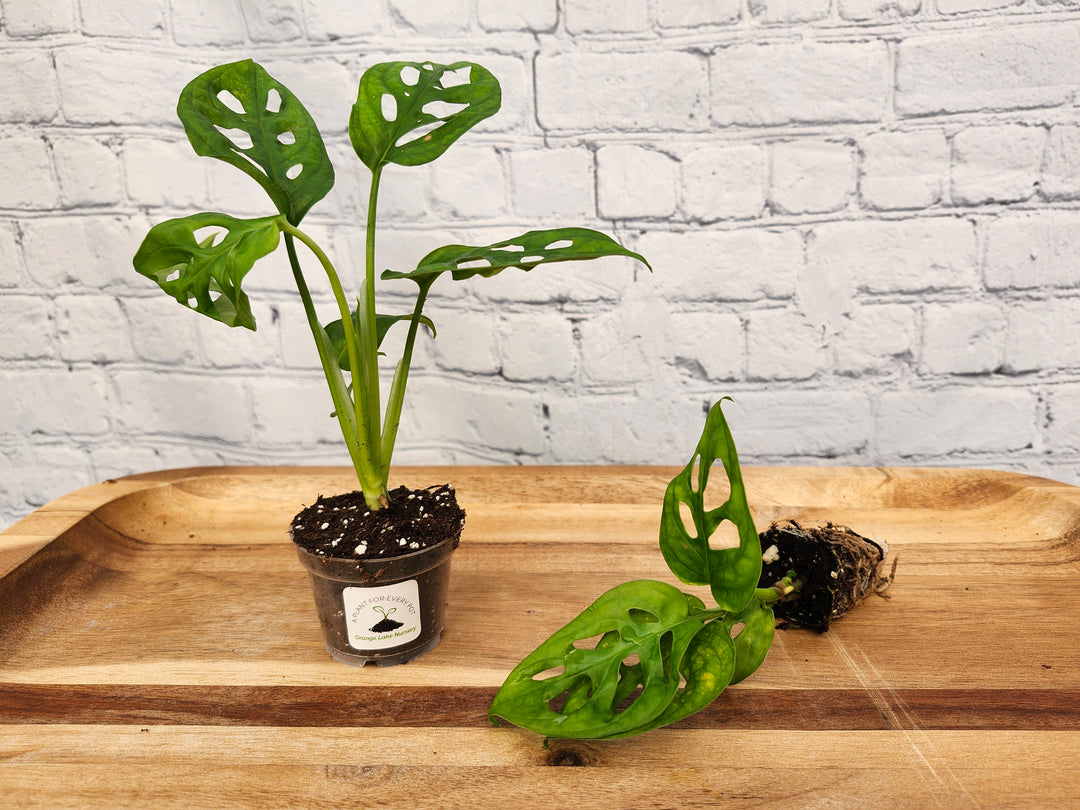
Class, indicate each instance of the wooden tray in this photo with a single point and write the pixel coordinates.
(158, 644)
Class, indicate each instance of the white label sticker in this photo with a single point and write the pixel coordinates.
(382, 617)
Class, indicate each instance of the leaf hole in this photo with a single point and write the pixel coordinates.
(686, 516)
(510, 248)
(737, 628)
(551, 672)
(287, 138)
(639, 615)
(294, 171)
(209, 236)
(530, 259)
(420, 133)
(410, 75)
(726, 535)
(695, 472)
(273, 101)
(718, 491)
(232, 102)
(388, 107)
(473, 264)
(559, 244)
(588, 643)
(628, 701)
(631, 660)
(444, 109)
(456, 78)
(237, 137)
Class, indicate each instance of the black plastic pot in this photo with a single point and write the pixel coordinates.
(382, 611)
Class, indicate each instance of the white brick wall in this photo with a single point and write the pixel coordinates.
(863, 216)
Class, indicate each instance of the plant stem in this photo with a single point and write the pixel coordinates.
(369, 340)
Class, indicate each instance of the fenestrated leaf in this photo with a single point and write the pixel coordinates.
(731, 573)
(523, 252)
(201, 259)
(409, 113)
(602, 693)
(270, 136)
(336, 332)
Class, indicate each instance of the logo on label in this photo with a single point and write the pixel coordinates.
(387, 616)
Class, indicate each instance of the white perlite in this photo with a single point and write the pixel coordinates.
(863, 219)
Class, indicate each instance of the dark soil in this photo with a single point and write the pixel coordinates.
(836, 567)
(343, 526)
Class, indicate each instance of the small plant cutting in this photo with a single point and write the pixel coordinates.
(646, 654)
(407, 114)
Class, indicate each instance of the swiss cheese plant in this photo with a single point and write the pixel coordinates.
(406, 113)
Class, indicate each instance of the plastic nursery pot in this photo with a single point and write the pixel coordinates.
(384, 611)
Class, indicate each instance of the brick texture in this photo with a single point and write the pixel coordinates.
(862, 216)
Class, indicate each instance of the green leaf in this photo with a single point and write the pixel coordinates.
(575, 686)
(707, 669)
(523, 252)
(753, 639)
(731, 573)
(201, 259)
(269, 135)
(409, 113)
(335, 330)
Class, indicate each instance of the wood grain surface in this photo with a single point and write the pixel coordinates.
(159, 646)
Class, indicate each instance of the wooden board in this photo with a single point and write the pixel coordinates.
(158, 645)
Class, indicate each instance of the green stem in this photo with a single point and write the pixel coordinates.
(401, 377)
(369, 340)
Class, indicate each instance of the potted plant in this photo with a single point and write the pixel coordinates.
(378, 559)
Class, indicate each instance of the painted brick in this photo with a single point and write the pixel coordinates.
(293, 411)
(31, 19)
(965, 6)
(195, 406)
(473, 417)
(938, 423)
(88, 171)
(811, 176)
(774, 423)
(617, 345)
(11, 271)
(904, 169)
(27, 158)
(878, 10)
(54, 401)
(996, 164)
(1033, 250)
(980, 69)
(165, 173)
(468, 183)
(273, 20)
(537, 346)
(963, 338)
(236, 346)
(724, 182)
(875, 339)
(589, 91)
(162, 331)
(1061, 163)
(1063, 412)
(738, 265)
(711, 345)
(49, 471)
(606, 16)
(549, 183)
(1043, 335)
(99, 87)
(92, 328)
(896, 256)
(517, 15)
(692, 13)
(633, 182)
(325, 87)
(331, 20)
(441, 19)
(28, 92)
(779, 83)
(467, 342)
(122, 18)
(208, 22)
(104, 245)
(781, 345)
(789, 11)
(27, 328)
